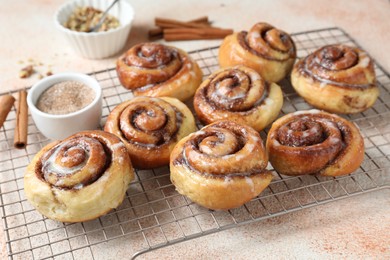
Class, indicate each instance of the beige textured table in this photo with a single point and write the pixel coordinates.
(354, 228)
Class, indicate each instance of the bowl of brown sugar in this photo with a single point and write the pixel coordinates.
(65, 103)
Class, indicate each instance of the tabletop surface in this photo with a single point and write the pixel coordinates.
(353, 228)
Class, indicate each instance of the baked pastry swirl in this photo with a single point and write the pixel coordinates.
(150, 128)
(314, 142)
(336, 78)
(153, 69)
(222, 166)
(80, 178)
(266, 49)
(238, 94)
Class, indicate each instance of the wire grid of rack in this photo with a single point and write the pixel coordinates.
(153, 214)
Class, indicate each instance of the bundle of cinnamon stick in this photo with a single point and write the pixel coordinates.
(197, 29)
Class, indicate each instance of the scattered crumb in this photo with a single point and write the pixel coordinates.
(33, 68)
(26, 72)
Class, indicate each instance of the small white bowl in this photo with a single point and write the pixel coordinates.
(97, 45)
(61, 126)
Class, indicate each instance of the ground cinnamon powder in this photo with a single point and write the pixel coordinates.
(65, 97)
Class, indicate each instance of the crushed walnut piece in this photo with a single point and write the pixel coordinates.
(26, 72)
(83, 18)
(34, 67)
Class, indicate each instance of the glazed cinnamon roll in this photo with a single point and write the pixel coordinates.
(238, 94)
(150, 128)
(336, 78)
(153, 69)
(80, 178)
(266, 49)
(314, 142)
(222, 166)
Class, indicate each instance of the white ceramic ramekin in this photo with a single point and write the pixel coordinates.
(97, 45)
(59, 127)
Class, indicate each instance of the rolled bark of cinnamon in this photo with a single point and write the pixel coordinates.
(157, 32)
(20, 136)
(6, 103)
(176, 34)
(170, 23)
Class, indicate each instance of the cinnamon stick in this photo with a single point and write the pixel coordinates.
(20, 136)
(157, 32)
(189, 37)
(176, 34)
(204, 31)
(170, 23)
(6, 103)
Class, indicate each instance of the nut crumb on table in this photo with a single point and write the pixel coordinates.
(34, 67)
(26, 71)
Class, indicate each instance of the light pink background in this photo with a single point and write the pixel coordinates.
(354, 228)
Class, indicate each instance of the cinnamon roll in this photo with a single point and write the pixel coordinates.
(222, 166)
(266, 49)
(150, 128)
(80, 178)
(238, 94)
(314, 142)
(153, 69)
(336, 78)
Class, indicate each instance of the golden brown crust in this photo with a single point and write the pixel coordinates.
(314, 142)
(80, 178)
(238, 94)
(222, 166)
(150, 128)
(156, 70)
(336, 78)
(266, 49)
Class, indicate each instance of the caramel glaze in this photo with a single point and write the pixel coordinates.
(41, 169)
(203, 95)
(320, 65)
(305, 148)
(242, 39)
(194, 142)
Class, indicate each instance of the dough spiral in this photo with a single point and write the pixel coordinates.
(150, 128)
(240, 95)
(266, 49)
(314, 142)
(153, 69)
(79, 178)
(336, 78)
(222, 166)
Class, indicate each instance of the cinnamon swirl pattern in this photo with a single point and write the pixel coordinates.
(336, 78)
(222, 166)
(314, 142)
(238, 94)
(150, 128)
(80, 178)
(266, 49)
(153, 69)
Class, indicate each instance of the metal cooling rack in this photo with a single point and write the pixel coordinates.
(153, 214)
